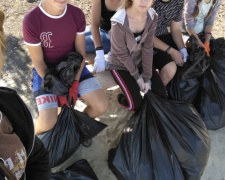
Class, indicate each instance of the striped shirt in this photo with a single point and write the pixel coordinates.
(167, 12)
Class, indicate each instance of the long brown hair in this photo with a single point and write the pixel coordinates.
(196, 11)
(2, 37)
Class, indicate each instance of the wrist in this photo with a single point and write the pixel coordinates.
(168, 49)
(99, 48)
(208, 33)
(100, 53)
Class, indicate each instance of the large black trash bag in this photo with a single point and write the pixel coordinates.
(185, 85)
(64, 139)
(66, 70)
(144, 151)
(81, 170)
(72, 129)
(88, 127)
(211, 104)
(186, 132)
(52, 83)
(59, 78)
(183, 90)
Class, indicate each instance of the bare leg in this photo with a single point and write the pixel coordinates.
(97, 103)
(46, 120)
(168, 72)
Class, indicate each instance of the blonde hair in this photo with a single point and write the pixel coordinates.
(2, 37)
(125, 4)
(196, 11)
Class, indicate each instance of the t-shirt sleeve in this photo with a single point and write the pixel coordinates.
(30, 34)
(180, 5)
(81, 23)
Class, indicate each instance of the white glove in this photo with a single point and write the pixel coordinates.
(184, 52)
(147, 86)
(141, 83)
(107, 59)
(99, 64)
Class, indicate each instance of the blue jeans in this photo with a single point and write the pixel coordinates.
(89, 43)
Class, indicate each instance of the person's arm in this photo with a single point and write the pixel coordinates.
(176, 34)
(38, 165)
(147, 51)
(210, 20)
(37, 58)
(80, 47)
(95, 22)
(208, 30)
(189, 20)
(176, 55)
(120, 49)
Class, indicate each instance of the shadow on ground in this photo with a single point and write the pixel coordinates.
(17, 73)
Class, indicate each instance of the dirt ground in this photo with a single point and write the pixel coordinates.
(17, 74)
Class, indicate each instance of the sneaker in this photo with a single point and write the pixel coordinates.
(122, 100)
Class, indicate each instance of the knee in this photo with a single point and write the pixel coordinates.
(169, 70)
(101, 107)
(47, 121)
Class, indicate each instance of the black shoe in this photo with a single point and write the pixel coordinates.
(122, 100)
(87, 142)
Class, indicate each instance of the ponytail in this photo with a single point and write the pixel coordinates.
(196, 11)
(211, 9)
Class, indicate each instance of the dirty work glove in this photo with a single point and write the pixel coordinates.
(63, 101)
(99, 64)
(207, 48)
(147, 86)
(184, 53)
(141, 83)
(73, 92)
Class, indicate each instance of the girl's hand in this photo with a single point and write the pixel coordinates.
(176, 56)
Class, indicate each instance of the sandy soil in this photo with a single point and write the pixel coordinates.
(18, 74)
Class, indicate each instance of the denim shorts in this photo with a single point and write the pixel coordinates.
(45, 100)
(89, 43)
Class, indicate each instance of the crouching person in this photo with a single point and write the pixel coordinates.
(51, 30)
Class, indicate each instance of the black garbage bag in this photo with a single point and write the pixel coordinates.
(64, 139)
(177, 129)
(52, 83)
(66, 70)
(72, 129)
(197, 61)
(81, 170)
(88, 127)
(59, 78)
(183, 90)
(185, 84)
(186, 132)
(211, 104)
(144, 151)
